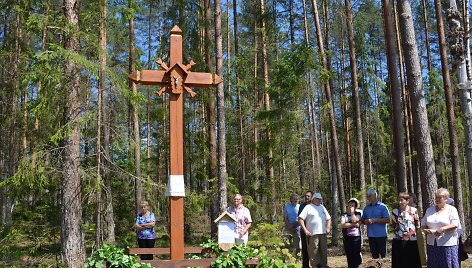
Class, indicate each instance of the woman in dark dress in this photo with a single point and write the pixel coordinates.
(405, 221)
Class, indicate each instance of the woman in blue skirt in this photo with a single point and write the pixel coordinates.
(440, 224)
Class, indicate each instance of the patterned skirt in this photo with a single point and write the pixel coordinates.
(443, 257)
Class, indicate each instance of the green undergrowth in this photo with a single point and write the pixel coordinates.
(115, 257)
(240, 254)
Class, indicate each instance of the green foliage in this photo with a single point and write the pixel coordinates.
(240, 254)
(210, 246)
(114, 256)
(267, 234)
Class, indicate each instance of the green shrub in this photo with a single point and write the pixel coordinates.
(240, 254)
(115, 257)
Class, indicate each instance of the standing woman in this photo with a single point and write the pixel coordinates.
(350, 222)
(145, 222)
(404, 221)
(440, 224)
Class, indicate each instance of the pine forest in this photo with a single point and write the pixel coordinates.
(332, 96)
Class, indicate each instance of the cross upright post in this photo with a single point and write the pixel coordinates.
(176, 154)
(176, 79)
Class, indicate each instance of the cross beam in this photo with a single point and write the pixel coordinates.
(176, 79)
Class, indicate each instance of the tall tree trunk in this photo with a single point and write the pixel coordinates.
(396, 95)
(423, 143)
(291, 22)
(256, 108)
(325, 9)
(315, 152)
(347, 126)
(300, 127)
(222, 174)
(464, 73)
(451, 118)
(426, 35)
(212, 142)
(355, 100)
(13, 154)
(148, 106)
(136, 144)
(265, 72)
(406, 107)
(228, 53)
(457, 51)
(211, 98)
(334, 136)
(72, 246)
(242, 145)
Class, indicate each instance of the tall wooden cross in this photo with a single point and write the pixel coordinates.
(176, 79)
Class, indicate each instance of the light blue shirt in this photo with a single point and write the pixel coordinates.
(291, 212)
(377, 211)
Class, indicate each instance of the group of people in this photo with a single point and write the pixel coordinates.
(309, 223)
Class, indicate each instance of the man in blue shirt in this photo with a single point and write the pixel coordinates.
(291, 223)
(376, 217)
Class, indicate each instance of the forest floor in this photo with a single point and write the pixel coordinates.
(337, 259)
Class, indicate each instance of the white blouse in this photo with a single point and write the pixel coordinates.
(435, 220)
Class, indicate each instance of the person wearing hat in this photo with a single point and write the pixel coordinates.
(376, 216)
(350, 223)
(315, 222)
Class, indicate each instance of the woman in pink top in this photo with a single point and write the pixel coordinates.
(350, 223)
(440, 224)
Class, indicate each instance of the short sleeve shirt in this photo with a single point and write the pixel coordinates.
(435, 220)
(291, 212)
(243, 217)
(148, 233)
(315, 218)
(405, 223)
(377, 211)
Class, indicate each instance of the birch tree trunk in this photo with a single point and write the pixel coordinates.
(423, 143)
(456, 48)
(72, 240)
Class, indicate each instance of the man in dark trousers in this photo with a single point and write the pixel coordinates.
(305, 258)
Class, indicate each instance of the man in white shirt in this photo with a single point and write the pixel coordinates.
(315, 222)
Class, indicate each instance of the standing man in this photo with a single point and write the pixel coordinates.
(315, 222)
(291, 223)
(376, 217)
(305, 258)
(243, 219)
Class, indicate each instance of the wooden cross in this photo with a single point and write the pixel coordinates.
(176, 79)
